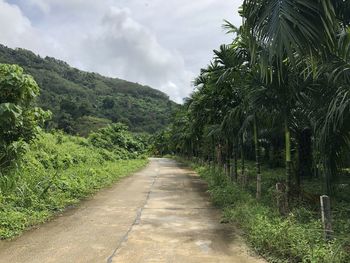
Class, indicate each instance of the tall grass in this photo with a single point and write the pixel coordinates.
(58, 171)
(295, 238)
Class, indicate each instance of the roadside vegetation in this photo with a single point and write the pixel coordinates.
(278, 96)
(58, 171)
(42, 173)
(297, 237)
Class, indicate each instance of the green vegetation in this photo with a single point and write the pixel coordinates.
(295, 238)
(42, 173)
(277, 95)
(18, 120)
(116, 138)
(58, 171)
(82, 102)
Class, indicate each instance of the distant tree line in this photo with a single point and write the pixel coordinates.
(82, 102)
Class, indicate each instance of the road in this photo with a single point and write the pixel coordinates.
(160, 214)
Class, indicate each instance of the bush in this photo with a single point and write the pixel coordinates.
(19, 120)
(119, 140)
(57, 171)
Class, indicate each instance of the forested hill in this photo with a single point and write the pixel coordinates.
(81, 101)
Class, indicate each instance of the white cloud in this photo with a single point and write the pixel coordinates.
(120, 46)
(50, 6)
(154, 42)
(41, 4)
(17, 31)
(15, 27)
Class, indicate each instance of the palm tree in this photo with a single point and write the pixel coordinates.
(236, 68)
(290, 62)
(312, 33)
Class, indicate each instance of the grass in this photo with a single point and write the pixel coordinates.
(297, 237)
(57, 172)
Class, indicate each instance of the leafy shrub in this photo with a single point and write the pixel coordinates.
(118, 139)
(19, 120)
(57, 171)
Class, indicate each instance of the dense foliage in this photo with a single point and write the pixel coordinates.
(278, 95)
(82, 102)
(19, 121)
(57, 171)
(274, 94)
(52, 170)
(117, 139)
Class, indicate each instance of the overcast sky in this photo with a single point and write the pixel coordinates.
(161, 43)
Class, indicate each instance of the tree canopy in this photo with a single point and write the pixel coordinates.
(279, 91)
(77, 98)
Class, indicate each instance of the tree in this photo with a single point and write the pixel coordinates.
(281, 87)
(314, 35)
(19, 120)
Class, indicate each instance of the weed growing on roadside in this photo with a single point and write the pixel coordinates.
(296, 238)
(58, 171)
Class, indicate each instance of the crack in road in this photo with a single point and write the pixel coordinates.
(136, 221)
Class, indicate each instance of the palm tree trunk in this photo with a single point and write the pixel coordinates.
(257, 159)
(235, 161)
(213, 146)
(219, 155)
(288, 160)
(228, 157)
(243, 175)
(327, 174)
(304, 156)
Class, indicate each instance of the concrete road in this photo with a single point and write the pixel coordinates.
(161, 214)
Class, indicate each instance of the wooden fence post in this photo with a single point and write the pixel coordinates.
(326, 217)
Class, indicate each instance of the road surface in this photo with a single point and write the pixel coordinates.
(160, 214)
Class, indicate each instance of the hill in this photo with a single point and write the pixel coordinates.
(83, 101)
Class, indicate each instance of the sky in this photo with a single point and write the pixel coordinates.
(160, 43)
